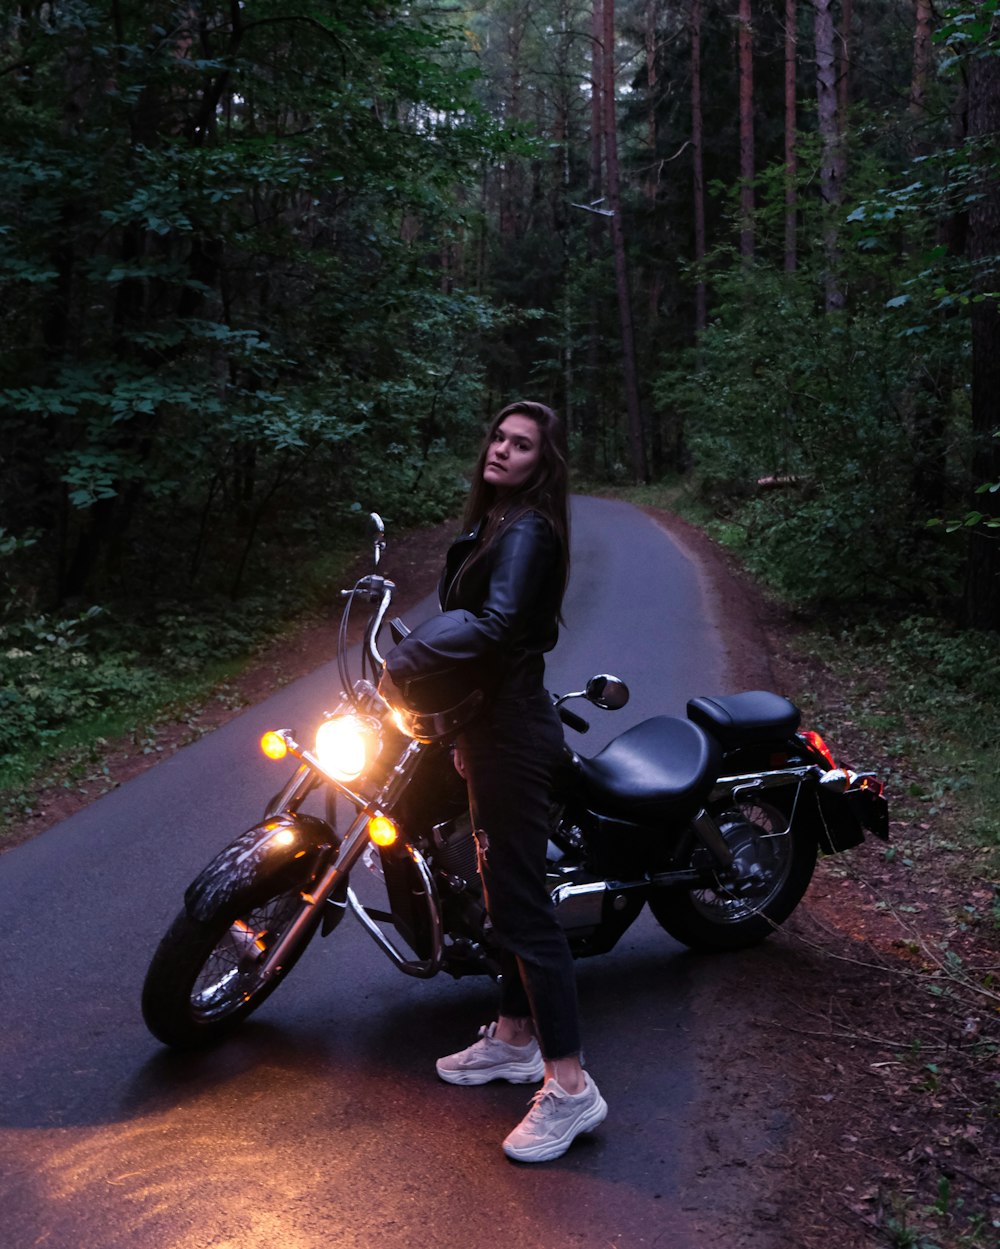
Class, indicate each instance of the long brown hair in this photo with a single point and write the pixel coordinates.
(546, 490)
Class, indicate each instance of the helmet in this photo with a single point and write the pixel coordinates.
(430, 726)
(455, 690)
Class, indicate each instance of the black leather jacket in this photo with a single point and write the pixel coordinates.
(496, 623)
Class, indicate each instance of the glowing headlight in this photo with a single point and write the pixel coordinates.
(345, 746)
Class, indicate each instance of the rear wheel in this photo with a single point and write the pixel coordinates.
(771, 870)
(205, 977)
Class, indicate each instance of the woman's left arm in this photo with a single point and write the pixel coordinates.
(523, 564)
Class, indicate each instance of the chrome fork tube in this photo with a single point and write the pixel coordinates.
(351, 849)
(294, 794)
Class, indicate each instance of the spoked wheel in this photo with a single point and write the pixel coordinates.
(205, 976)
(771, 870)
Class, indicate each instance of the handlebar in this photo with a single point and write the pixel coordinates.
(376, 589)
(373, 589)
(573, 721)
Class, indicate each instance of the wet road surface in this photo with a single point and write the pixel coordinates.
(321, 1123)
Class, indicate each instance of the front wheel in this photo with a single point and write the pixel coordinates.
(771, 870)
(205, 976)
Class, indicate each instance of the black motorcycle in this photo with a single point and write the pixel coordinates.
(714, 820)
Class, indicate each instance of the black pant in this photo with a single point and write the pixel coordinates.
(509, 754)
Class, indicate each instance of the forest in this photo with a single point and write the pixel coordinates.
(267, 264)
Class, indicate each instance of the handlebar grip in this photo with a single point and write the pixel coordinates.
(573, 721)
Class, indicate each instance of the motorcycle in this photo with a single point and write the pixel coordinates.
(714, 820)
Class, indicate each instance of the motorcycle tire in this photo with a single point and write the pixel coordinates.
(204, 977)
(773, 865)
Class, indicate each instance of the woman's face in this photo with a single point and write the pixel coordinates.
(513, 453)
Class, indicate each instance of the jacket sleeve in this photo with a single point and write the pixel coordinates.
(523, 564)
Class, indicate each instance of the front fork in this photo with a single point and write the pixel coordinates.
(351, 848)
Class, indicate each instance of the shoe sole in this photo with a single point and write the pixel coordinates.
(555, 1149)
(513, 1073)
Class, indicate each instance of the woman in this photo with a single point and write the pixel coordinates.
(501, 594)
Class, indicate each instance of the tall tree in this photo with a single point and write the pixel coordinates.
(596, 232)
(747, 161)
(636, 439)
(651, 183)
(698, 170)
(791, 125)
(923, 55)
(844, 54)
(982, 591)
(831, 159)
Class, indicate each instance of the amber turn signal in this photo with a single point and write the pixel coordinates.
(382, 830)
(273, 745)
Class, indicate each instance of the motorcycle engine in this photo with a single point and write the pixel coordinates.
(455, 852)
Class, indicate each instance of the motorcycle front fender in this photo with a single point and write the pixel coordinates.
(294, 845)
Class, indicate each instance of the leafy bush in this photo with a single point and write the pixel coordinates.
(50, 678)
(827, 439)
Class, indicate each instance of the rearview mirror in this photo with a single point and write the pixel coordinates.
(378, 535)
(607, 691)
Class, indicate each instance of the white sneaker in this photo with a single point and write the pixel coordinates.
(555, 1120)
(491, 1059)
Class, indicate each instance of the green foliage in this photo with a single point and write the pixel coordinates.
(924, 694)
(969, 29)
(220, 255)
(68, 677)
(224, 324)
(48, 679)
(823, 440)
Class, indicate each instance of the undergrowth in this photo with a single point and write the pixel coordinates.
(69, 685)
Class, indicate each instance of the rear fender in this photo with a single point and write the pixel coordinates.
(294, 846)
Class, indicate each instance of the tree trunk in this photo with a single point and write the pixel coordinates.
(652, 137)
(844, 62)
(511, 179)
(595, 236)
(655, 278)
(746, 130)
(831, 161)
(923, 51)
(933, 389)
(791, 159)
(698, 144)
(560, 202)
(637, 449)
(982, 587)
(651, 183)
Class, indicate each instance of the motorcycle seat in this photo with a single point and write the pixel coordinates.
(745, 719)
(660, 769)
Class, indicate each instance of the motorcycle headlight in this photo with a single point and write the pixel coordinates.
(345, 746)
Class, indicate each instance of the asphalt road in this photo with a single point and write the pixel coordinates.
(322, 1122)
